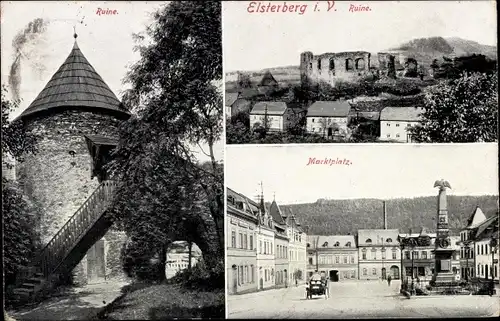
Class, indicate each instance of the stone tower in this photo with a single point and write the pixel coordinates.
(305, 65)
(74, 114)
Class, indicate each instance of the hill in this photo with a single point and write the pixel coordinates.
(327, 217)
(427, 49)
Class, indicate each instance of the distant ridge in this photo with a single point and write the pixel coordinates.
(327, 217)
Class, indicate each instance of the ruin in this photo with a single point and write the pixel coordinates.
(354, 65)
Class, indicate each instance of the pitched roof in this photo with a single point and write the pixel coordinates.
(276, 213)
(401, 113)
(330, 241)
(273, 107)
(339, 108)
(268, 79)
(102, 140)
(248, 206)
(485, 225)
(476, 218)
(75, 84)
(376, 236)
(230, 98)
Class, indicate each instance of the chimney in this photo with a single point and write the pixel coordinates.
(385, 216)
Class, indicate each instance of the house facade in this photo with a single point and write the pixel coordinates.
(379, 254)
(275, 114)
(230, 99)
(486, 260)
(265, 252)
(335, 257)
(328, 118)
(241, 243)
(281, 256)
(297, 249)
(395, 121)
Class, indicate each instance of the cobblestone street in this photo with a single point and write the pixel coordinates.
(357, 299)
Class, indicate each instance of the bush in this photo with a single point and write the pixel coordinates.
(201, 277)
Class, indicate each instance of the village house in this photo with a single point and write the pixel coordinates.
(420, 256)
(328, 118)
(275, 115)
(379, 254)
(395, 121)
(281, 243)
(242, 219)
(335, 257)
(236, 103)
(178, 258)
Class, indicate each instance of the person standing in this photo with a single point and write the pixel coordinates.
(327, 291)
(389, 278)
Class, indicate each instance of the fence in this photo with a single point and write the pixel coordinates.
(419, 286)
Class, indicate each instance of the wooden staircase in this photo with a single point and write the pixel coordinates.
(68, 247)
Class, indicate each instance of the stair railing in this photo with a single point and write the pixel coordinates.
(64, 240)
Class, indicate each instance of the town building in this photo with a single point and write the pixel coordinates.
(486, 260)
(179, 257)
(395, 121)
(297, 248)
(335, 257)
(418, 254)
(275, 115)
(467, 243)
(281, 243)
(379, 254)
(242, 219)
(266, 246)
(328, 118)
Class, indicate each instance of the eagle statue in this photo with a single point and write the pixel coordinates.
(442, 184)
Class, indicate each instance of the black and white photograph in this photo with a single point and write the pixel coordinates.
(112, 160)
(360, 71)
(362, 231)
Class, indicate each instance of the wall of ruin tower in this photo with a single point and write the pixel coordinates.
(58, 177)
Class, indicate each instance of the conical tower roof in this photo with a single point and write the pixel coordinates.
(75, 85)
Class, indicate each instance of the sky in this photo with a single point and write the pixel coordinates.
(105, 40)
(381, 171)
(253, 41)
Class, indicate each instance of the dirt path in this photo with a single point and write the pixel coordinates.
(81, 303)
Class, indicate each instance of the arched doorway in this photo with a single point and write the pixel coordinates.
(334, 275)
(384, 276)
(395, 272)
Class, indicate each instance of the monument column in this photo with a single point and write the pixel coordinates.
(443, 251)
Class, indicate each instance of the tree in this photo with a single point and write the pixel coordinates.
(178, 103)
(460, 110)
(21, 239)
(244, 81)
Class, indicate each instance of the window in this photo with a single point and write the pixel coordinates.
(389, 240)
(345, 259)
(331, 65)
(397, 125)
(325, 244)
(310, 261)
(486, 249)
(253, 273)
(233, 239)
(394, 255)
(308, 245)
(368, 241)
(337, 244)
(360, 64)
(365, 271)
(337, 259)
(241, 241)
(260, 247)
(241, 274)
(310, 65)
(245, 239)
(352, 259)
(364, 254)
(397, 135)
(388, 125)
(424, 255)
(383, 254)
(251, 242)
(349, 64)
(374, 271)
(348, 244)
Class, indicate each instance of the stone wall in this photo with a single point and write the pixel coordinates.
(58, 178)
